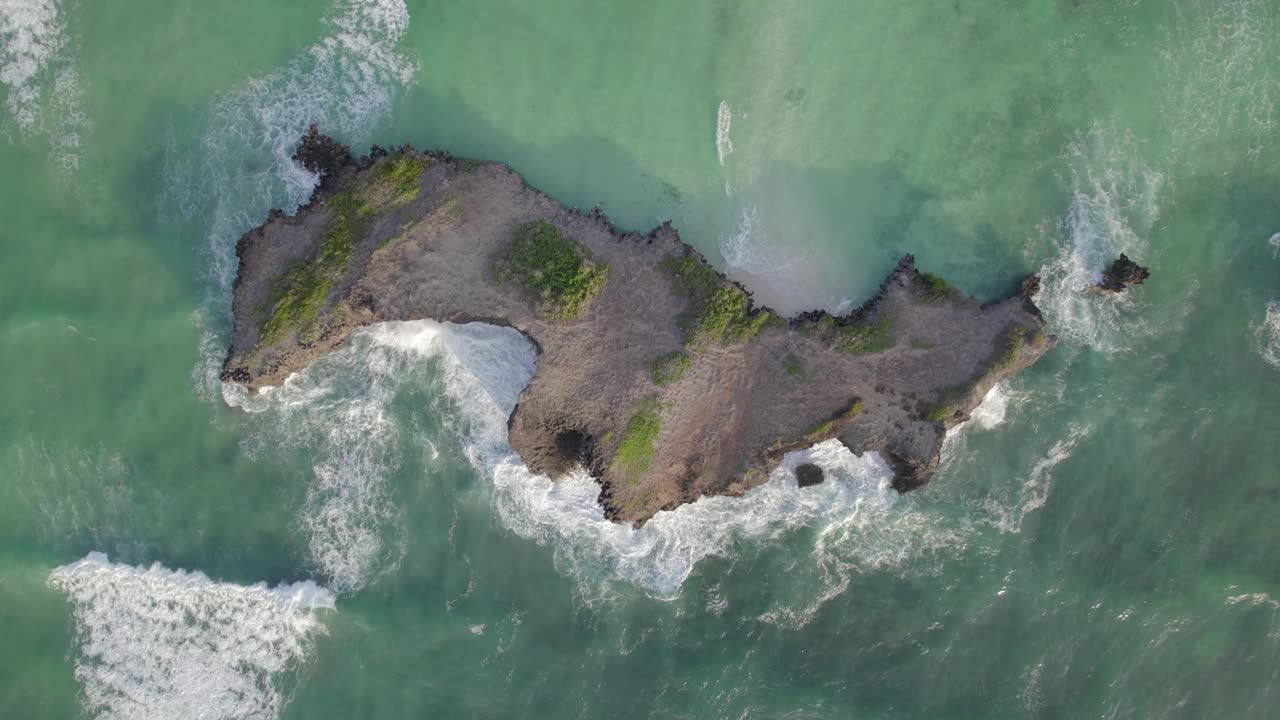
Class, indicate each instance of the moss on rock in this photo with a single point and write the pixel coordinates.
(554, 267)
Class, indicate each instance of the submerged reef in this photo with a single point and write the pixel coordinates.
(654, 372)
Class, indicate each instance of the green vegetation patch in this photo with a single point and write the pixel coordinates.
(669, 368)
(719, 312)
(394, 182)
(301, 295)
(935, 287)
(948, 404)
(854, 338)
(824, 428)
(1011, 349)
(635, 452)
(554, 267)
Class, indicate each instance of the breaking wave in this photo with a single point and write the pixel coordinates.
(1113, 209)
(159, 643)
(346, 83)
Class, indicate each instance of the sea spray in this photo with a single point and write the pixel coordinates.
(159, 643)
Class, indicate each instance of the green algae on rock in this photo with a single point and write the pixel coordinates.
(654, 372)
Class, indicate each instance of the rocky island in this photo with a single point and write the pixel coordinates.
(654, 372)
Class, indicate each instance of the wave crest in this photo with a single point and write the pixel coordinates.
(159, 643)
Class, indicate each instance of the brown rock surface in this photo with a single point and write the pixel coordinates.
(407, 235)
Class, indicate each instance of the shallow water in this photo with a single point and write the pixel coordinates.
(363, 541)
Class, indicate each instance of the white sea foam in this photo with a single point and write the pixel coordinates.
(724, 146)
(345, 83)
(1275, 245)
(42, 87)
(32, 33)
(988, 415)
(1267, 334)
(1114, 207)
(158, 643)
(1036, 489)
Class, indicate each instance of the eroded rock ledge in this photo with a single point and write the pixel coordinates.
(656, 373)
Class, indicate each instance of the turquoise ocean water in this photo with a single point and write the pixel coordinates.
(1101, 542)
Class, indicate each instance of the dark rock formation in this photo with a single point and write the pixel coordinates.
(808, 475)
(321, 154)
(654, 372)
(1122, 273)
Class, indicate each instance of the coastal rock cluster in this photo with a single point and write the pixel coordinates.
(1122, 273)
(661, 377)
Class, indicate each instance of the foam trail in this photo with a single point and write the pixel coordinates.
(159, 643)
(346, 83)
(1114, 207)
(724, 146)
(1275, 246)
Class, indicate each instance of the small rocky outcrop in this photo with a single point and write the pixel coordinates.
(321, 154)
(1122, 273)
(808, 475)
(656, 373)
